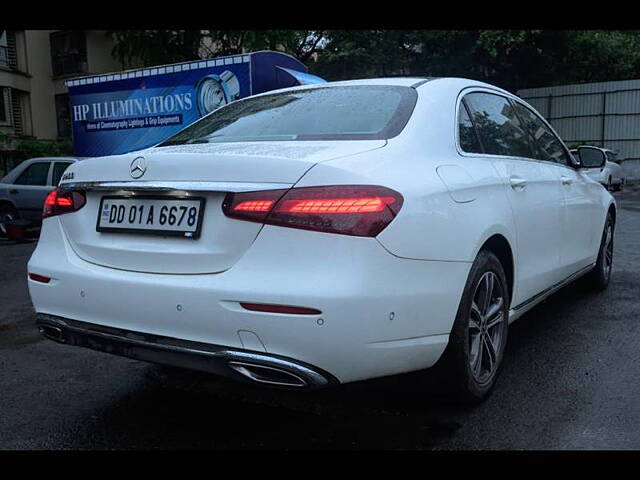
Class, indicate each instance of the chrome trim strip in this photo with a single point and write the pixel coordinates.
(307, 375)
(154, 186)
(519, 310)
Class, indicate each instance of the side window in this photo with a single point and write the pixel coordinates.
(35, 174)
(58, 170)
(467, 133)
(546, 144)
(499, 128)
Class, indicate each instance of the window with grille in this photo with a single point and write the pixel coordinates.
(68, 52)
(16, 111)
(7, 49)
(5, 107)
(4, 49)
(63, 115)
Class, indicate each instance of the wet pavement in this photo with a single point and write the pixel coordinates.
(571, 380)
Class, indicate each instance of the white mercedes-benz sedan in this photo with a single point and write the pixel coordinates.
(326, 234)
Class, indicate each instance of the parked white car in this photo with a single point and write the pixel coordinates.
(326, 234)
(23, 189)
(611, 174)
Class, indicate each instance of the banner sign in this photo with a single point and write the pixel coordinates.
(123, 112)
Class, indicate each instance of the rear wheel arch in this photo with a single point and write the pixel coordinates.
(501, 248)
(612, 212)
(8, 212)
(7, 203)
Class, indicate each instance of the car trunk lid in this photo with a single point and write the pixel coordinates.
(207, 171)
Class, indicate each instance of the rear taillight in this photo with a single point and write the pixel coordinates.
(61, 201)
(360, 210)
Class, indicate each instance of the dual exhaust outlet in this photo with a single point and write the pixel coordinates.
(253, 366)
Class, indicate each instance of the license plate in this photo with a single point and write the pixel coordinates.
(179, 216)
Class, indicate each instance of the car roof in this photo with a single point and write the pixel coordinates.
(383, 81)
(397, 81)
(411, 82)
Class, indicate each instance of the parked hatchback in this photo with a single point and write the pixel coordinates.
(610, 175)
(24, 189)
(326, 234)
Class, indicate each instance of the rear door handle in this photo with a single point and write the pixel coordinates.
(566, 180)
(14, 191)
(517, 182)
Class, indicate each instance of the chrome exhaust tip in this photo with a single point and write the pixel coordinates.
(271, 370)
(268, 375)
(52, 333)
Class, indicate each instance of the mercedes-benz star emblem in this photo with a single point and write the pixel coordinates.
(138, 167)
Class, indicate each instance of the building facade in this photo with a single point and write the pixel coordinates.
(34, 64)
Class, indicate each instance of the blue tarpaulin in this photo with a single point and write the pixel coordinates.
(126, 111)
(303, 78)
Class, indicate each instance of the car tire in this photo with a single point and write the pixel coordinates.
(8, 213)
(598, 278)
(472, 360)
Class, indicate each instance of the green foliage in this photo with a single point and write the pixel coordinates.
(512, 59)
(28, 147)
(32, 147)
(153, 47)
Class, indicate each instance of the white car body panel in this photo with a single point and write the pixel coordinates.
(388, 303)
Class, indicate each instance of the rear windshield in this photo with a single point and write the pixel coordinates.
(326, 113)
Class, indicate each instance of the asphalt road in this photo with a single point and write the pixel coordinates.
(571, 380)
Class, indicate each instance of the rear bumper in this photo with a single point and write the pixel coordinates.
(380, 314)
(220, 360)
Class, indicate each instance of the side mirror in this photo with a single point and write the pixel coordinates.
(591, 157)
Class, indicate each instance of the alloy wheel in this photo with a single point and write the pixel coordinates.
(5, 218)
(607, 262)
(486, 324)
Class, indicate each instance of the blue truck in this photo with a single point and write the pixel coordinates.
(122, 112)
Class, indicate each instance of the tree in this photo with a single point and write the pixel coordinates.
(512, 59)
(154, 47)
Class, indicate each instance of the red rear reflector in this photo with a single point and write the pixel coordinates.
(39, 278)
(260, 307)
